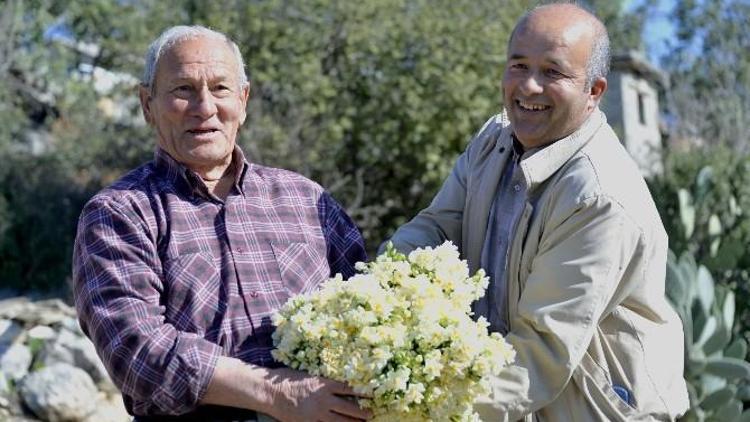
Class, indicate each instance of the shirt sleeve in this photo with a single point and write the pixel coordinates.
(344, 243)
(118, 291)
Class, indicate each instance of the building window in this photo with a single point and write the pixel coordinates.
(641, 108)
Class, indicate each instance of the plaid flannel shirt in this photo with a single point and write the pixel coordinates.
(168, 277)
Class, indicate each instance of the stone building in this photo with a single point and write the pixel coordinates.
(632, 108)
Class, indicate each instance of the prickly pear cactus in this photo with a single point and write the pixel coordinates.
(715, 367)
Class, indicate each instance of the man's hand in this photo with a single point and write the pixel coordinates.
(301, 397)
(285, 394)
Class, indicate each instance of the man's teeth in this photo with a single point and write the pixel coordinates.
(532, 107)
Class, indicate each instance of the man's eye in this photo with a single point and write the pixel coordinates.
(554, 73)
(518, 66)
(183, 88)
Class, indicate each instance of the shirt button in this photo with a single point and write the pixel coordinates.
(240, 250)
(254, 294)
(517, 187)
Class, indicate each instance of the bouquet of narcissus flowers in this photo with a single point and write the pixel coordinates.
(400, 333)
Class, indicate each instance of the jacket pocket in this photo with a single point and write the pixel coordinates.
(599, 392)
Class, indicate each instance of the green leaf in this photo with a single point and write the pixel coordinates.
(737, 349)
(703, 183)
(719, 398)
(708, 331)
(696, 361)
(714, 248)
(706, 286)
(677, 288)
(692, 395)
(710, 383)
(687, 212)
(699, 319)
(728, 368)
(730, 412)
(743, 393)
(727, 311)
(695, 414)
(734, 209)
(689, 270)
(687, 326)
(718, 341)
(714, 225)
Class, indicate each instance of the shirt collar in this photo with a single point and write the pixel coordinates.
(178, 172)
(538, 164)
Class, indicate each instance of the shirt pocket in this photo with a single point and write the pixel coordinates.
(302, 266)
(193, 293)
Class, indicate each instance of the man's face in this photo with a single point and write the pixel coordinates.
(198, 104)
(544, 84)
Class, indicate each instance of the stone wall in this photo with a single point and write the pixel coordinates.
(49, 370)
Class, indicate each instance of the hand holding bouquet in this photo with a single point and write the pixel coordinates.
(401, 333)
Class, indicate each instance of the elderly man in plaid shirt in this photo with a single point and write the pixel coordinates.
(180, 264)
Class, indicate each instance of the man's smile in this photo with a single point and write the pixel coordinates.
(529, 106)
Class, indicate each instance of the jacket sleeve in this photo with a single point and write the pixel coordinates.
(442, 220)
(118, 289)
(570, 282)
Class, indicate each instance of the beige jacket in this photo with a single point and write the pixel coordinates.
(586, 303)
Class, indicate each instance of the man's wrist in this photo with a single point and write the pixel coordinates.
(242, 385)
(261, 388)
(280, 398)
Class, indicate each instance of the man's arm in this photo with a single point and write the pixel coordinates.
(344, 243)
(285, 394)
(118, 288)
(572, 279)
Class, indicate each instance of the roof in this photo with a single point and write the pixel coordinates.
(634, 62)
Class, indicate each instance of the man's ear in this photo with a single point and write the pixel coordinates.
(598, 88)
(144, 93)
(244, 95)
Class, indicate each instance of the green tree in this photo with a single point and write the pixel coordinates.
(378, 100)
(373, 99)
(710, 72)
(624, 27)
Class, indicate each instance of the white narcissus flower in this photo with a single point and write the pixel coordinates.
(400, 332)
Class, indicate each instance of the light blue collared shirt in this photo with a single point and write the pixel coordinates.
(507, 207)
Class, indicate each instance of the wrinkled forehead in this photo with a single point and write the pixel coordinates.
(210, 55)
(201, 48)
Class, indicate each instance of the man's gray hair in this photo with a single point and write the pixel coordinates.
(598, 65)
(177, 34)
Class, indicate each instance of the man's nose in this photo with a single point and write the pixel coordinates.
(531, 84)
(204, 103)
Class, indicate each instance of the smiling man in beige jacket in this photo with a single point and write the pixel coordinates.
(552, 206)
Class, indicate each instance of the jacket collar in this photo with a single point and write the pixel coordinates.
(544, 163)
